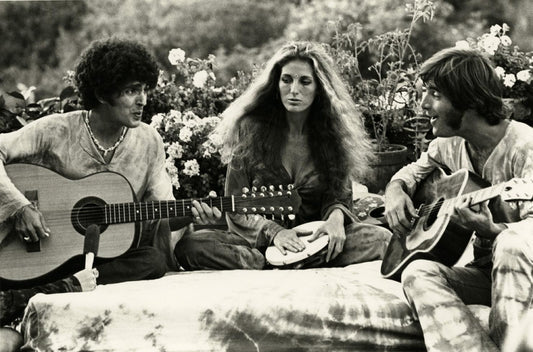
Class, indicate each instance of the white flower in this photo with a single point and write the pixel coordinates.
(495, 29)
(506, 40)
(500, 71)
(185, 134)
(506, 28)
(524, 75)
(172, 120)
(175, 56)
(175, 150)
(200, 78)
(490, 44)
(509, 80)
(191, 168)
(462, 44)
(172, 171)
(157, 120)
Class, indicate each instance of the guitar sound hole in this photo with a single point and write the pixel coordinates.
(86, 212)
(432, 216)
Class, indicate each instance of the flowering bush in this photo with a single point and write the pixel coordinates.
(513, 66)
(387, 94)
(185, 108)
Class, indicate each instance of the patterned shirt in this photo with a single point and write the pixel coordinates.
(62, 143)
(511, 158)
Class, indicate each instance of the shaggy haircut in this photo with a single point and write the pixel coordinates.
(107, 65)
(468, 80)
(254, 127)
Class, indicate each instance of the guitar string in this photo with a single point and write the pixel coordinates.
(150, 208)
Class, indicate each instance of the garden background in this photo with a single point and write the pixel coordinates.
(208, 51)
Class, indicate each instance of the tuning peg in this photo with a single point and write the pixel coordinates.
(280, 187)
(261, 194)
(263, 209)
(280, 193)
(271, 194)
(244, 210)
(290, 187)
(254, 189)
(281, 209)
(263, 189)
(292, 216)
(272, 188)
(254, 210)
(244, 196)
(245, 190)
(289, 208)
(272, 209)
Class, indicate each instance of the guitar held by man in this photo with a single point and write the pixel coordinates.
(433, 233)
(105, 199)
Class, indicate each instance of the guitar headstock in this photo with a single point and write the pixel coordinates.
(517, 189)
(270, 200)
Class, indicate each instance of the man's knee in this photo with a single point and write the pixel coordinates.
(155, 262)
(418, 270)
(10, 340)
(510, 244)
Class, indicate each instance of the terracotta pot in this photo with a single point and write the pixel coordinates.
(385, 164)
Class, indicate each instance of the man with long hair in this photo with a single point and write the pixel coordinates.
(462, 95)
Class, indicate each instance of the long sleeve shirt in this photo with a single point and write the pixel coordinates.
(511, 158)
(296, 168)
(62, 143)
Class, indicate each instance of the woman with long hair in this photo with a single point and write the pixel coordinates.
(296, 124)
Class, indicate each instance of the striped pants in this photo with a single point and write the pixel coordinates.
(438, 296)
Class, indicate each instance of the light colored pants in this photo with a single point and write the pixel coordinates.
(218, 250)
(438, 295)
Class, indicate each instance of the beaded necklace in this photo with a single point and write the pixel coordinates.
(98, 145)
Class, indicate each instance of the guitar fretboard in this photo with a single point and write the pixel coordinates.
(478, 196)
(129, 212)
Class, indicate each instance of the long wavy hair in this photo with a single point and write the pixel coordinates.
(254, 127)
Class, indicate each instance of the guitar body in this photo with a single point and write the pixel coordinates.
(57, 197)
(433, 236)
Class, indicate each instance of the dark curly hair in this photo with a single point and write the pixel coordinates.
(108, 64)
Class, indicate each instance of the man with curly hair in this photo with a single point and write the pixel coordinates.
(112, 77)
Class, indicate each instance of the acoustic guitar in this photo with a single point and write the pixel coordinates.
(107, 200)
(433, 235)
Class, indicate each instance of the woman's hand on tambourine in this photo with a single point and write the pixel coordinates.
(288, 240)
(334, 228)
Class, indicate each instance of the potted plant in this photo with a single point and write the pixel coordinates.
(514, 67)
(387, 95)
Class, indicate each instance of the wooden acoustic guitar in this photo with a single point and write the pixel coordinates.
(433, 234)
(107, 200)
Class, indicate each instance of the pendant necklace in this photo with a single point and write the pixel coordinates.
(97, 144)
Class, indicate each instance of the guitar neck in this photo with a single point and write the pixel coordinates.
(478, 196)
(130, 212)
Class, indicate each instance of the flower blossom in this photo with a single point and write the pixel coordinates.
(490, 44)
(185, 134)
(200, 78)
(191, 168)
(175, 150)
(500, 71)
(172, 172)
(509, 80)
(462, 44)
(506, 40)
(495, 29)
(157, 120)
(175, 56)
(524, 76)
